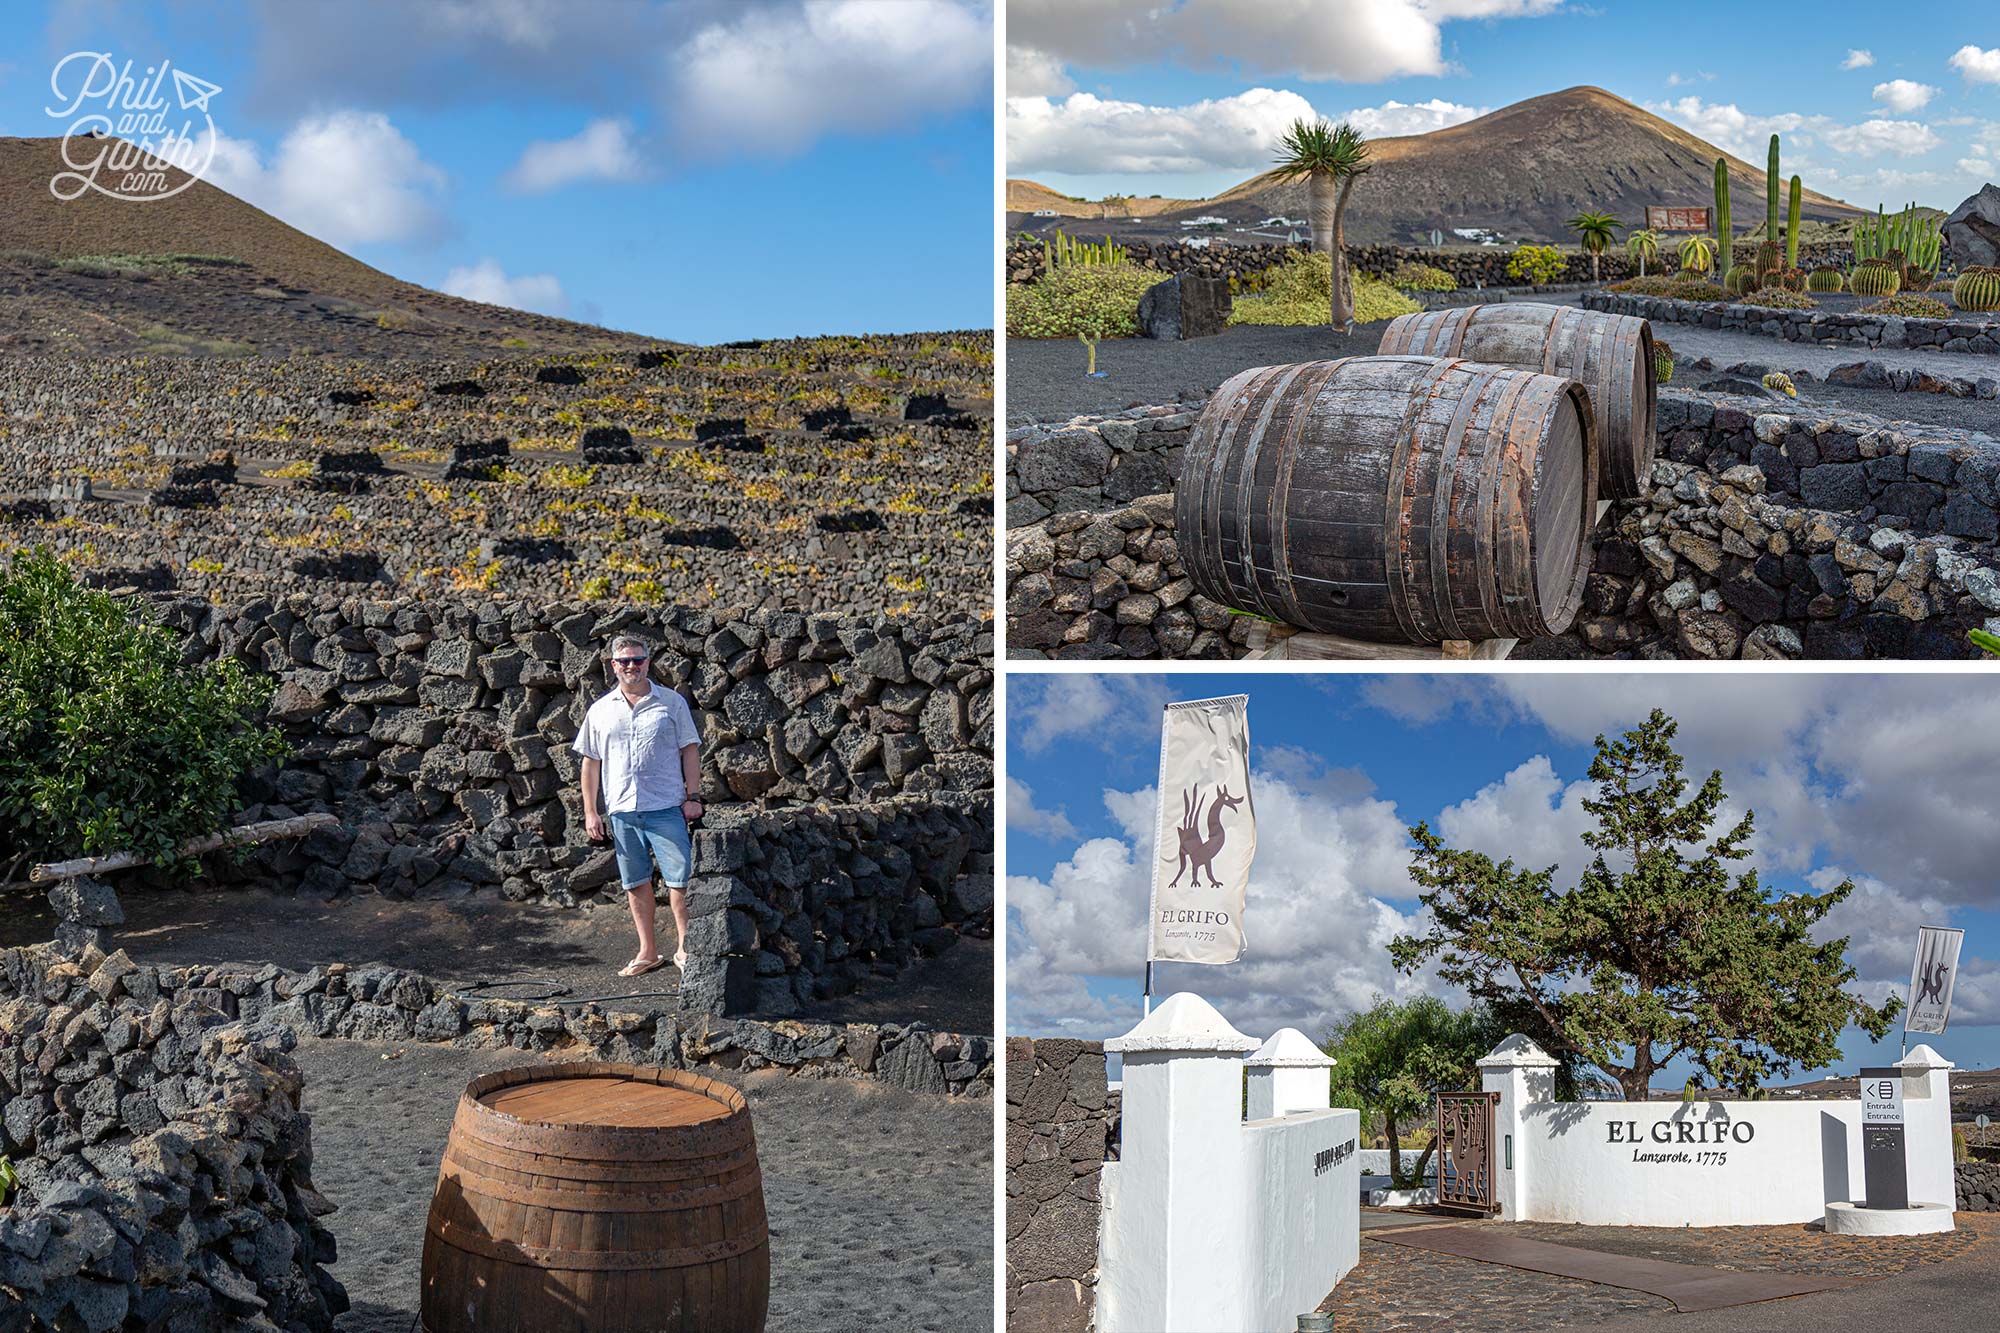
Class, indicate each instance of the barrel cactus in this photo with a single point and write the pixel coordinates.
(1978, 288)
(1874, 277)
(1786, 278)
(1663, 362)
(1739, 281)
(1770, 257)
(1824, 280)
(1779, 381)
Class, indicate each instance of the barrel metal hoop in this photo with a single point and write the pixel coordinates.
(1598, 361)
(1395, 518)
(1593, 479)
(468, 1154)
(593, 1261)
(478, 1184)
(1460, 329)
(1445, 487)
(1198, 511)
(1281, 492)
(1246, 476)
(1549, 339)
(1492, 603)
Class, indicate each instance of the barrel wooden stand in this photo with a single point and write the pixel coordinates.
(602, 1197)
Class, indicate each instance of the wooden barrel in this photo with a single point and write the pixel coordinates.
(1611, 354)
(607, 1197)
(1401, 499)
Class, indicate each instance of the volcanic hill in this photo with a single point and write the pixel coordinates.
(1519, 171)
(205, 273)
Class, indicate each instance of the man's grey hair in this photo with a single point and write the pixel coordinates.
(631, 641)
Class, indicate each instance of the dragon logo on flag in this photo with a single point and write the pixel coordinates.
(1198, 850)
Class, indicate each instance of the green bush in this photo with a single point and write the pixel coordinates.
(1414, 277)
(1910, 306)
(108, 740)
(1537, 264)
(1300, 291)
(1094, 300)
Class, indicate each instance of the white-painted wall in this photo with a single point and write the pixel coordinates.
(1706, 1163)
(1211, 1224)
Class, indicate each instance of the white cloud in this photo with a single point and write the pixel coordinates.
(1103, 710)
(778, 81)
(602, 150)
(1975, 166)
(1976, 65)
(348, 178)
(487, 281)
(1736, 131)
(1085, 134)
(1530, 816)
(1904, 94)
(1363, 41)
(1857, 60)
(1035, 74)
(1023, 814)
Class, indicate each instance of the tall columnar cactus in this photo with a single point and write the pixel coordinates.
(1978, 288)
(1792, 227)
(1724, 257)
(1920, 239)
(1771, 193)
(1767, 261)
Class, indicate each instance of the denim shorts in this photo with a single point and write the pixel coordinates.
(644, 836)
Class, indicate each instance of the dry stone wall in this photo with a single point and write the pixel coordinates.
(1094, 463)
(1978, 1186)
(165, 1164)
(1769, 531)
(1972, 334)
(1061, 1125)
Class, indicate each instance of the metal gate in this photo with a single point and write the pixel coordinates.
(1465, 1151)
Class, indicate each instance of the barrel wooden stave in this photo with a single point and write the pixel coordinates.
(1385, 498)
(1611, 355)
(541, 1226)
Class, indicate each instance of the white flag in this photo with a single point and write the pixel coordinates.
(1931, 978)
(1206, 833)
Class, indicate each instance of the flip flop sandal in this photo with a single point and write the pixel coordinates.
(681, 959)
(639, 968)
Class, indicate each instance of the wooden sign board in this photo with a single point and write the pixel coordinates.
(1676, 219)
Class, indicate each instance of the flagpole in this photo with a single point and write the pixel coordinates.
(1149, 987)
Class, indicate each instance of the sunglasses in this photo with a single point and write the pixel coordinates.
(629, 661)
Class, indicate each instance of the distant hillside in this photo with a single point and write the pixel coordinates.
(286, 292)
(1032, 197)
(1520, 171)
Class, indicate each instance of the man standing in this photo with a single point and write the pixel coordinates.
(640, 745)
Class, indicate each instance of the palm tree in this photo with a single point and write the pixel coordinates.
(1643, 245)
(1697, 253)
(1593, 232)
(1322, 154)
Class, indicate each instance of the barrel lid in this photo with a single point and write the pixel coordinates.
(604, 1095)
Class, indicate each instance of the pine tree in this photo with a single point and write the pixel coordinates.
(1669, 955)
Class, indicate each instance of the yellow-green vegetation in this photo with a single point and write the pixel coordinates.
(694, 462)
(768, 491)
(597, 588)
(1910, 306)
(203, 565)
(471, 576)
(1536, 264)
(1300, 291)
(1414, 277)
(569, 478)
(1777, 298)
(292, 471)
(633, 509)
(646, 590)
(905, 583)
(1093, 300)
(906, 503)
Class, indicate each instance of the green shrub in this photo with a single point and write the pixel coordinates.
(108, 740)
(1422, 278)
(1095, 300)
(1909, 305)
(1777, 298)
(1679, 286)
(1537, 264)
(1300, 291)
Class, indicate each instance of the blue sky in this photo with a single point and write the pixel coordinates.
(699, 170)
(1890, 780)
(1872, 109)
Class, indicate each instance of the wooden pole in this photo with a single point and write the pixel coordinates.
(247, 833)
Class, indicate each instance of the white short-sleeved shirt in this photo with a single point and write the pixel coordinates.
(640, 749)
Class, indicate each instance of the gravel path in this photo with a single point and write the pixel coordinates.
(1045, 376)
(880, 1200)
(485, 938)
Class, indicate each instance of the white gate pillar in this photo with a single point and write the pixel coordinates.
(1927, 1126)
(1288, 1074)
(1521, 1072)
(1176, 1242)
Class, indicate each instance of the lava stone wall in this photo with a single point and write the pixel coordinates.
(790, 906)
(1094, 463)
(164, 1160)
(1484, 267)
(1061, 1124)
(1966, 333)
(1765, 533)
(1978, 1186)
